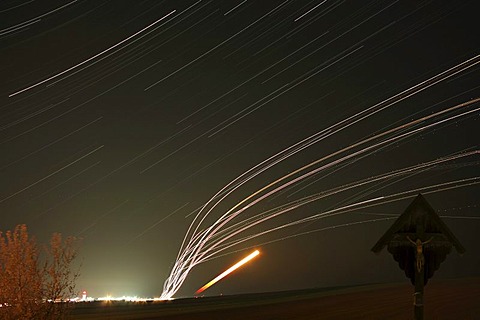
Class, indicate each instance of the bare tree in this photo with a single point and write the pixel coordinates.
(20, 278)
(59, 279)
(35, 281)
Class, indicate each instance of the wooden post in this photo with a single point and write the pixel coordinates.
(419, 270)
(418, 295)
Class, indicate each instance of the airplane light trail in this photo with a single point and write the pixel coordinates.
(229, 228)
(228, 271)
(92, 57)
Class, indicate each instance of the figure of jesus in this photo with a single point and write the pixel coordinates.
(419, 257)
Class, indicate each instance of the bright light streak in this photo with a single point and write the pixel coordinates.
(238, 5)
(303, 15)
(91, 58)
(229, 270)
(203, 242)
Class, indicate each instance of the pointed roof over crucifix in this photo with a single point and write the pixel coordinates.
(421, 220)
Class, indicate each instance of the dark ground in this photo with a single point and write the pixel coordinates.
(444, 299)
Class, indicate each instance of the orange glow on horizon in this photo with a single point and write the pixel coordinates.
(229, 270)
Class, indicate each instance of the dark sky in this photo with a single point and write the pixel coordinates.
(120, 119)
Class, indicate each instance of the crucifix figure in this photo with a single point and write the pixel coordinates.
(419, 257)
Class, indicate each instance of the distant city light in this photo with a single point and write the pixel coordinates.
(110, 298)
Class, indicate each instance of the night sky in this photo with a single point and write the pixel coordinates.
(120, 119)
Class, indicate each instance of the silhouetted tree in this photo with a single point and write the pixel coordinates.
(32, 279)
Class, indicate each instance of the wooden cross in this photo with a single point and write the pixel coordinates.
(419, 241)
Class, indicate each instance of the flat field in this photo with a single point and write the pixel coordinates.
(444, 299)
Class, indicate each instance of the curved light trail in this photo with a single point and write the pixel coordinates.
(203, 242)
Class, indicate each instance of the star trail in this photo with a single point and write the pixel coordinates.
(173, 136)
